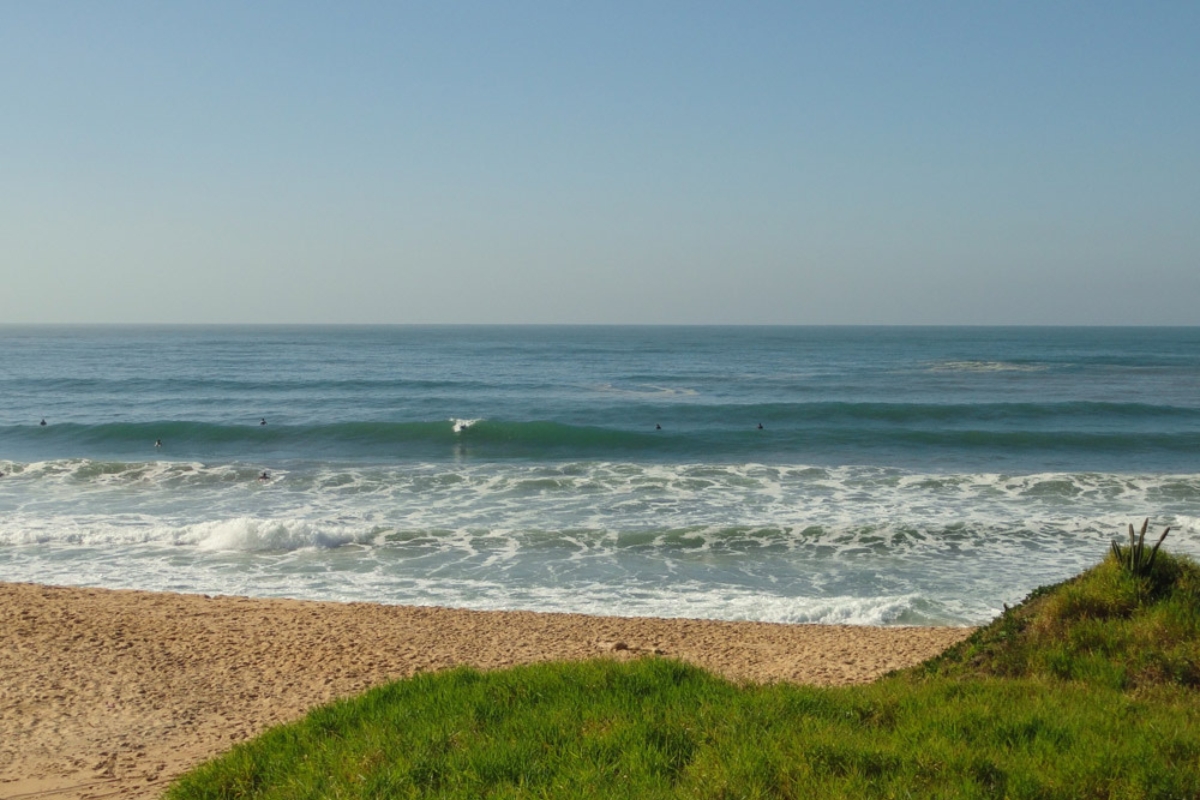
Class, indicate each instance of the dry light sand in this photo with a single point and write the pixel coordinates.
(113, 693)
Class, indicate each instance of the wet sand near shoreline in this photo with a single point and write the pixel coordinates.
(113, 693)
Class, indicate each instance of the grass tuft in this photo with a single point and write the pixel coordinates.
(1135, 558)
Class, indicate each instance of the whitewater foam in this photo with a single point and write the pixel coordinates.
(865, 545)
(646, 391)
(986, 366)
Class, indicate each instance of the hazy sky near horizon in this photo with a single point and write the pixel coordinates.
(662, 162)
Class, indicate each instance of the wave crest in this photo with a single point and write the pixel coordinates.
(246, 534)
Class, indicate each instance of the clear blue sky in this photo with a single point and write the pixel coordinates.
(641, 162)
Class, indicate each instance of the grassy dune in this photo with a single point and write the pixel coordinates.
(1087, 689)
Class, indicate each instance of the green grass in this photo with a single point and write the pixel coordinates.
(1106, 627)
(1087, 690)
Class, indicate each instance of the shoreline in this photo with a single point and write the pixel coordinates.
(115, 692)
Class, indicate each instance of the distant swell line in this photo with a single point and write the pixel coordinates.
(831, 412)
(858, 428)
(350, 437)
(228, 387)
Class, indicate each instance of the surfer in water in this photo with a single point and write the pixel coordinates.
(264, 476)
(262, 421)
(43, 422)
(760, 426)
(158, 442)
(657, 427)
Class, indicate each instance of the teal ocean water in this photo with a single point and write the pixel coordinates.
(860, 475)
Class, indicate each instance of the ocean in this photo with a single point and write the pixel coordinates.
(881, 476)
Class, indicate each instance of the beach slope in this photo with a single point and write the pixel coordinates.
(112, 693)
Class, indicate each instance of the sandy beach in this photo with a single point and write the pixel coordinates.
(113, 693)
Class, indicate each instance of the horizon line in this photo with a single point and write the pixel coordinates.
(979, 325)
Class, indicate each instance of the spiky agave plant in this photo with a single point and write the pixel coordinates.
(1134, 558)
